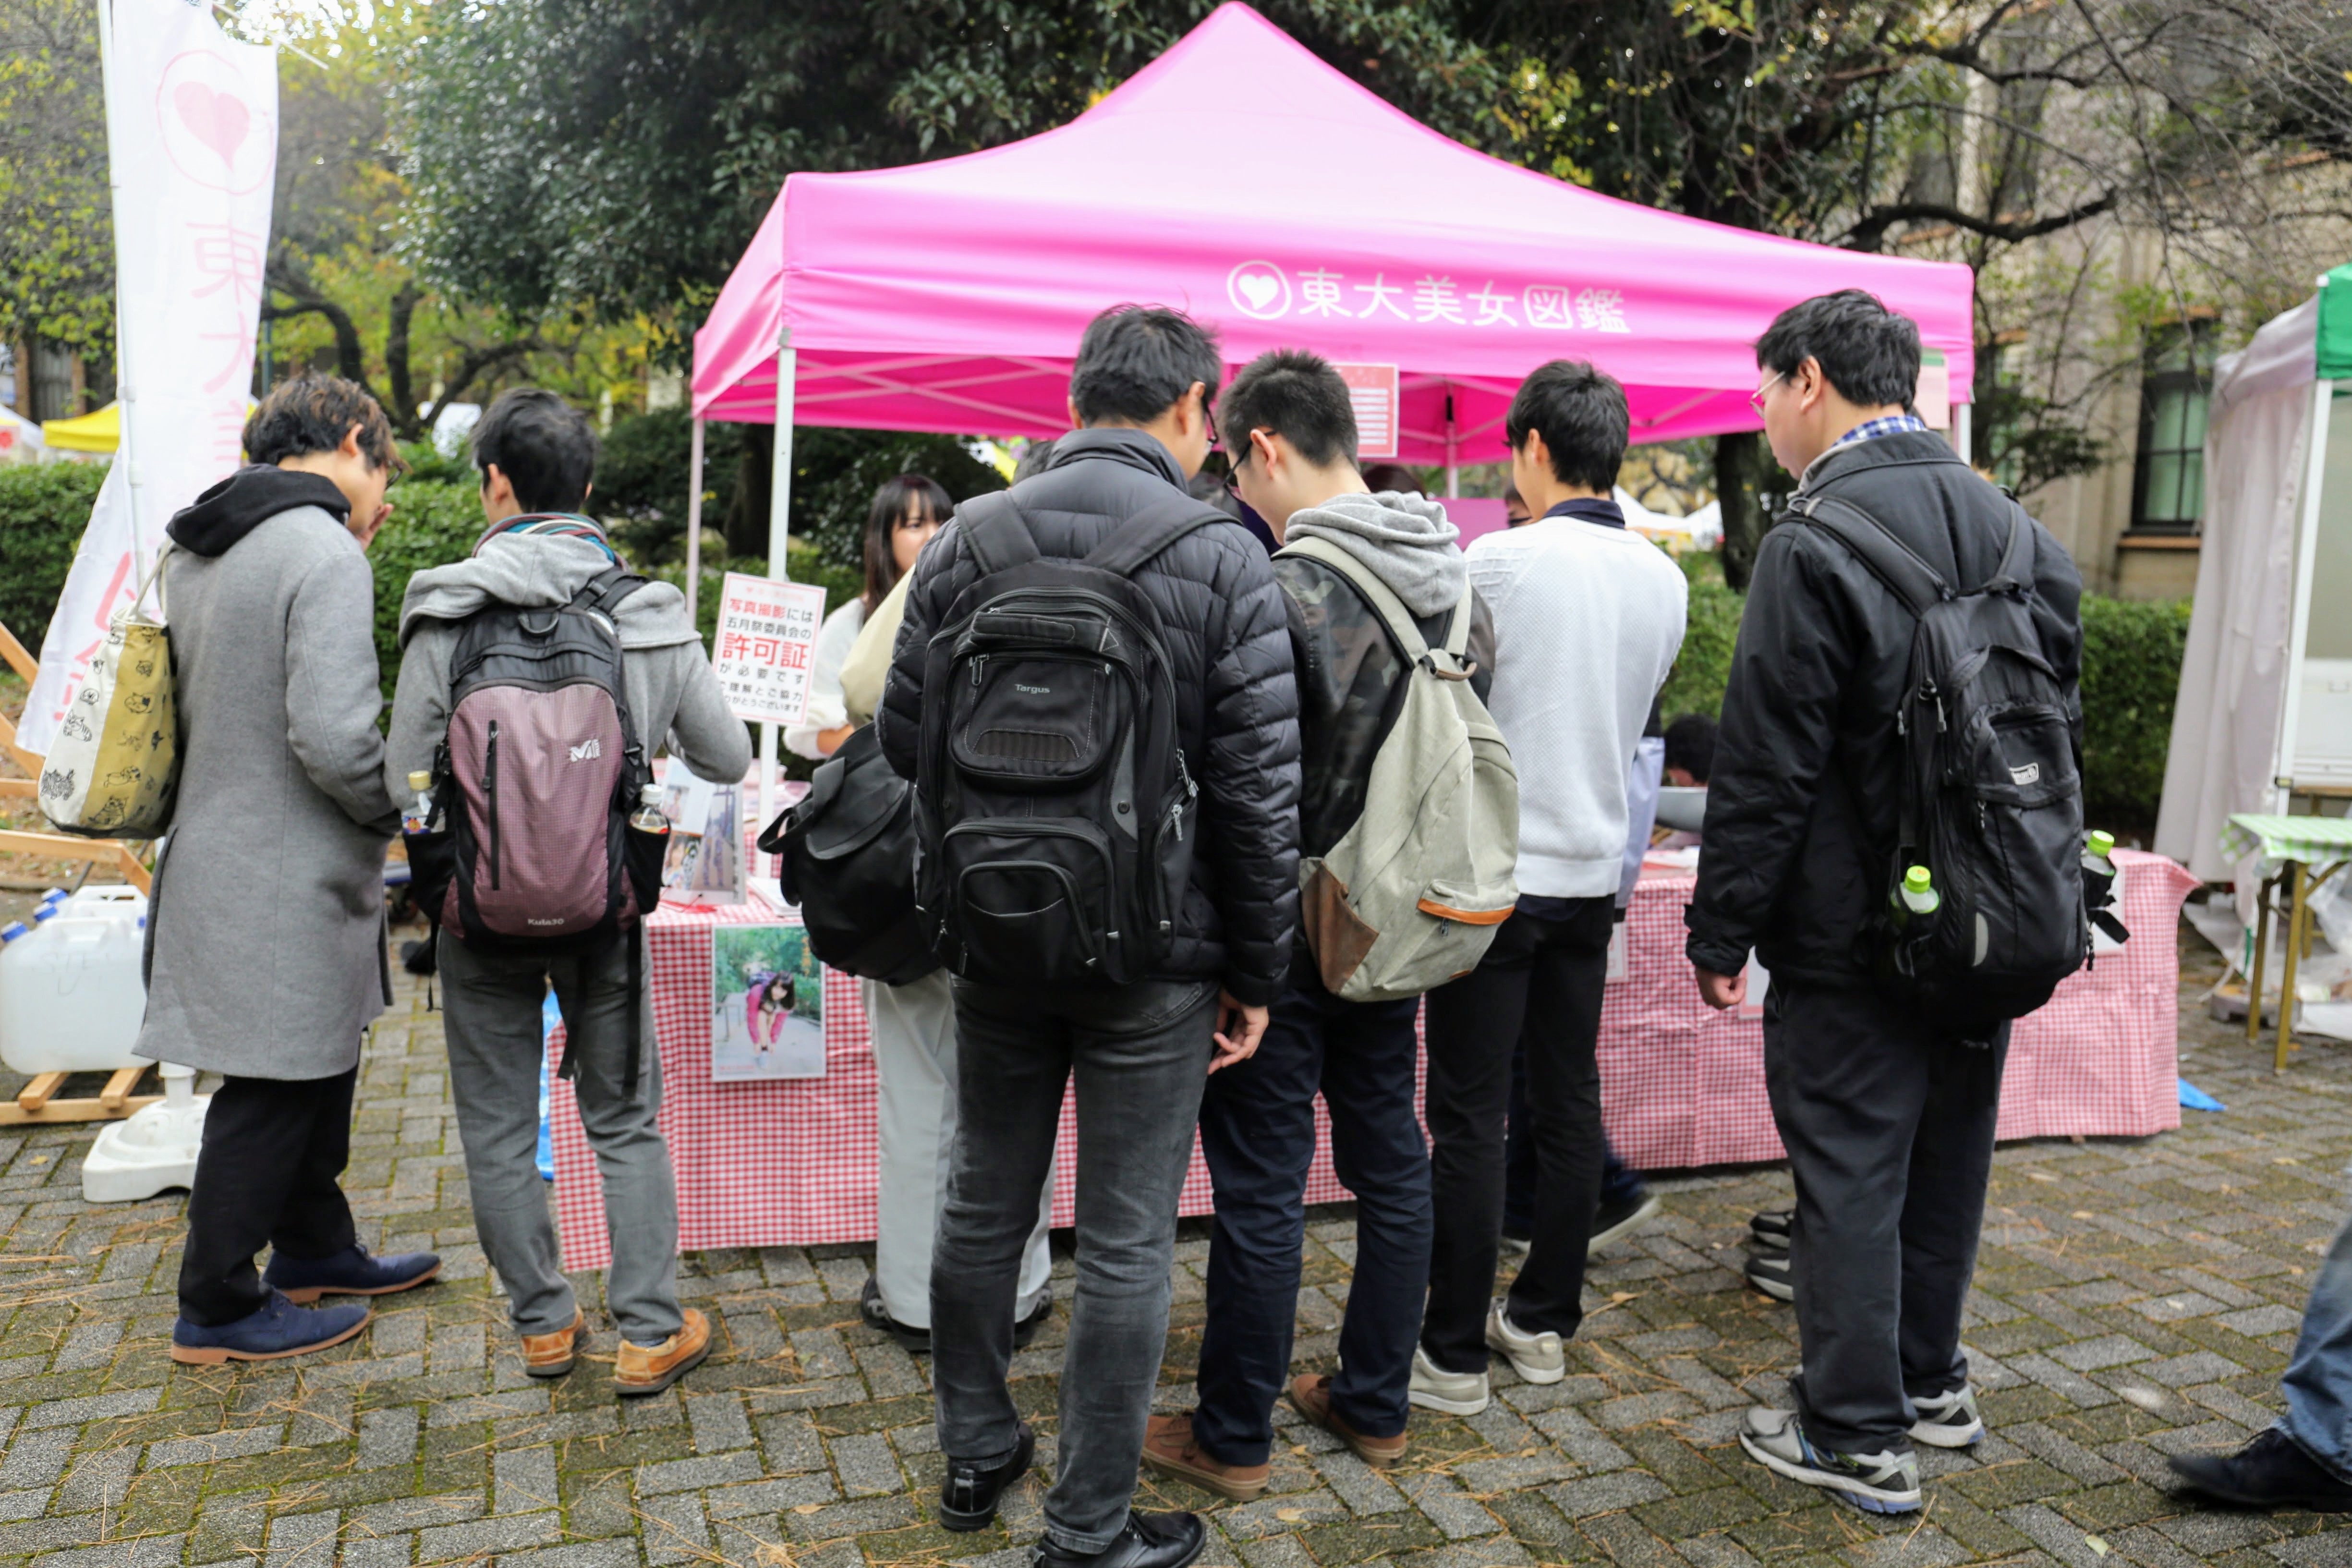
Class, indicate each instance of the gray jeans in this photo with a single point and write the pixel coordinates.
(492, 1004)
(915, 1067)
(1141, 1058)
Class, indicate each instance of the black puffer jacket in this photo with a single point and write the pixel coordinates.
(1238, 709)
(1801, 806)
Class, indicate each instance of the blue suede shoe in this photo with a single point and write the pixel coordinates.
(353, 1273)
(280, 1330)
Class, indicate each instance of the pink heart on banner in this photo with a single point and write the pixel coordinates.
(219, 120)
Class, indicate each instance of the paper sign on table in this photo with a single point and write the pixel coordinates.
(1620, 960)
(766, 627)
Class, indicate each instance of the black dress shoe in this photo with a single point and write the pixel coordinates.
(1149, 1541)
(968, 1496)
(2271, 1471)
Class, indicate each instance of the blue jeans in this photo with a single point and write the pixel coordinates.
(2318, 1381)
(1137, 1056)
(1257, 1132)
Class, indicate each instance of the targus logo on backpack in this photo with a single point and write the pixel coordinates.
(1033, 691)
(588, 750)
(2030, 774)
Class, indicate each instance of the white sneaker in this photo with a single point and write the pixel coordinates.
(1454, 1393)
(1949, 1421)
(1538, 1358)
(1876, 1483)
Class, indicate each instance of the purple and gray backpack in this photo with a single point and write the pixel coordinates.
(537, 776)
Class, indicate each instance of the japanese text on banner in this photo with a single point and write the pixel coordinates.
(766, 629)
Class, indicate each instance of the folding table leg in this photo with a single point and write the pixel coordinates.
(2294, 919)
(2262, 954)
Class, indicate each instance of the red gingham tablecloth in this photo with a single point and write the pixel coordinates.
(793, 1163)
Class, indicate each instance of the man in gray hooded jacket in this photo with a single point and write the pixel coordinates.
(536, 454)
(1291, 431)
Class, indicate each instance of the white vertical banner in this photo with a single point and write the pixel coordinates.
(192, 140)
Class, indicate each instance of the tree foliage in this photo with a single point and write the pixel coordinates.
(57, 221)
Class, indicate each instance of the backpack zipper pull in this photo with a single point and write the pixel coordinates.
(977, 666)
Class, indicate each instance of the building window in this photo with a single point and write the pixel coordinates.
(2168, 490)
(53, 382)
(2009, 383)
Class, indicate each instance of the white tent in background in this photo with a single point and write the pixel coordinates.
(2265, 684)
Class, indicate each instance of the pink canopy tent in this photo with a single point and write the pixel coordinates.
(1241, 179)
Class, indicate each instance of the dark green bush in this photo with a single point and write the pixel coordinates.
(2131, 678)
(433, 522)
(2131, 675)
(43, 508)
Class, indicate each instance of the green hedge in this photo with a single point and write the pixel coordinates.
(42, 509)
(2131, 675)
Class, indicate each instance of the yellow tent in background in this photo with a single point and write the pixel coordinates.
(99, 432)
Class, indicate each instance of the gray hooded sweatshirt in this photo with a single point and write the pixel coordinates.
(673, 695)
(1406, 540)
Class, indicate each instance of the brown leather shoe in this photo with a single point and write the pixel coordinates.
(640, 1372)
(1311, 1398)
(551, 1355)
(1169, 1449)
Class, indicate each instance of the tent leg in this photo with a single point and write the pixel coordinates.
(2262, 891)
(694, 524)
(2295, 916)
(780, 504)
(1963, 433)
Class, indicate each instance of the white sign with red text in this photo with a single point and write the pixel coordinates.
(766, 629)
(1372, 389)
(192, 138)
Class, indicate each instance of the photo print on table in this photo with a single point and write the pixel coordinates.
(767, 1004)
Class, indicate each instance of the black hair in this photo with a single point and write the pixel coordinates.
(882, 522)
(1868, 352)
(1296, 395)
(313, 414)
(545, 447)
(1580, 412)
(1034, 460)
(1135, 362)
(1395, 477)
(1690, 745)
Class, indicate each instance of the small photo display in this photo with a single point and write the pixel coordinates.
(705, 864)
(767, 995)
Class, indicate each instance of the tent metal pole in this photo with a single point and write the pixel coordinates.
(2306, 557)
(694, 524)
(779, 503)
(1453, 452)
(1963, 432)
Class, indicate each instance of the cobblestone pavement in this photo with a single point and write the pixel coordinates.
(2135, 1299)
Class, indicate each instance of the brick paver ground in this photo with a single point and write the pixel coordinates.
(2135, 1299)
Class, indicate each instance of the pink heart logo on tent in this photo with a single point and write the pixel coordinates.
(1258, 289)
(219, 120)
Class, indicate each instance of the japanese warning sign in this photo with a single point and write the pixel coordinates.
(766, 628)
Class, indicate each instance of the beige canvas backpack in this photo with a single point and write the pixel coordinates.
(1411, 895)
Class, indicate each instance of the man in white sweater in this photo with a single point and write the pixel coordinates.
(1588, 619)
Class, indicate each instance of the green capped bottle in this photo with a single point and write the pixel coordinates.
(1916, 897)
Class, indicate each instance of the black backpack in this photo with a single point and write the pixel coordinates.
(847, 860)
(1055, 813)
(1992, 787)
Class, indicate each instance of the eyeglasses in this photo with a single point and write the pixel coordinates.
(1756, 398)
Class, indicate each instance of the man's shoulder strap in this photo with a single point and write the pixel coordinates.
(604, 591)
(1160, 524)
(1896, 564)
(997, 533)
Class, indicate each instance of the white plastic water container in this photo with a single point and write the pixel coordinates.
(71, 999)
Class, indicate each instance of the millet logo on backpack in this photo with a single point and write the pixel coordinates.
(588, 750)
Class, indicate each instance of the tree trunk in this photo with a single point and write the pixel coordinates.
(747, 521)
(1740, 465)
(405, 419)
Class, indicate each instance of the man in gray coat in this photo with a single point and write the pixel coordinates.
(265, 940)
(536, 455)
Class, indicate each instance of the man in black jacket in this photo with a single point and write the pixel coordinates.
(1291, 434)
(1888, 1116)
(1140, 390)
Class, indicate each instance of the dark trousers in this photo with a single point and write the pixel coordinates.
(1139, 1056)
(1888, 1123)
(1257, 1131)
(1620, 1183)
(265, 1176)
(1540, 983)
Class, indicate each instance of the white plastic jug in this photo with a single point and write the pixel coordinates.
(71, 999)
